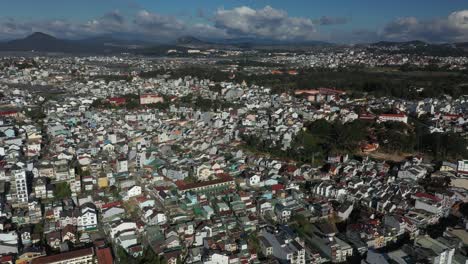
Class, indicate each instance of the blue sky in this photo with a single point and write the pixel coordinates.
(334, 20)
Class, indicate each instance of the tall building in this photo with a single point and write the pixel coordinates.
(19, 187)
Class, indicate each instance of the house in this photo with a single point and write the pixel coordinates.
(431, 203)
(439, 252)
(462, 168)
(151, 99)
(172, 256)
(25, 234)
(69, 234)
(87, 220)
(217, 185)
(393, 117)
(112, 213)
(283, 214)
(122, 165)
(117, 101)
(323, 237)
(54, 239)
(414, 172)
(283, 245)
(253, 180)
(122, 226)
(133, 191)
(172, 241)
(104, 256)
(448, 166)
(126, 239)
(344, 211)
(29, 254)
(204, 172)
(321, 94)
(215, 258)
(80, 256)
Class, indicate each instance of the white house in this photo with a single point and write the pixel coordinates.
(88, 217)
(132, 192)
(393, 117)
(122, 165)
(151, 99)
(122, 227)
(254, 180)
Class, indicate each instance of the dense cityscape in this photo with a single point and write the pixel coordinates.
(228, 153)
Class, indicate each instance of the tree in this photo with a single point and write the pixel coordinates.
(35, 114)
(114, 191)
(62, 190)
(122, 256)
(38, 228)
(464, 209)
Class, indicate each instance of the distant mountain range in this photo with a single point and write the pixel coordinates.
(190, 40)
(42, 42)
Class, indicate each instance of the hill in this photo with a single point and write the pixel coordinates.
(190, 40)
(41, 42)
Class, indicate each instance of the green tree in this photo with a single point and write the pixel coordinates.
(62, 190)
(464, 209)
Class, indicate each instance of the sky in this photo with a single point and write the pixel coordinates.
(340, 21)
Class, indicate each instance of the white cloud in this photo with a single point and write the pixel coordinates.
(243, 21)
(459, 19)
(450, 29)
(264, 23)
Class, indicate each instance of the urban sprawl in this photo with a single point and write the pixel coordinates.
(132, 159)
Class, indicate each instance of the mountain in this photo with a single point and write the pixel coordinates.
(38, 42)
(42, 42)
(245, 43)
(190, 40)
(413, 43)
(462, 45)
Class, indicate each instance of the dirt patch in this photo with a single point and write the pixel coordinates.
(395, 157)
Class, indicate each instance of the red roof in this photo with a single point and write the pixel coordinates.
(117, 100)
(330, 91)
(104, 256)
(310, 91)
(141, 199)
(427, 196)
(392, 115)
(7, 113)
(63, 256)
(290, 168)
(181, 185)
(5, 259)
(366, 116)
(112, 204)
(277, 187)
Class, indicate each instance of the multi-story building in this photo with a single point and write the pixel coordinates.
(462, 167)
(283, 245)
(151, 99)
(442, 254)
(82, 256)
(323, 238)
(88, 217)
(19, 187)
(393, 117)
